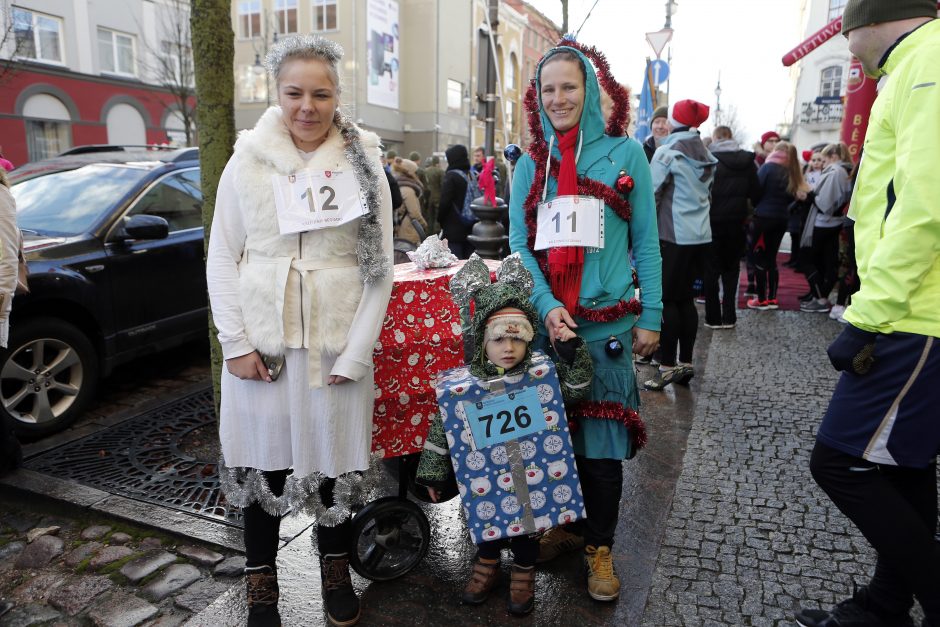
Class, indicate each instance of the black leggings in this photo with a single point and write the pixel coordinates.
(525, 549)
(896, 510)
(823, 267)
(602, 485)
(681, 263)
(261, 528)
(768, 233)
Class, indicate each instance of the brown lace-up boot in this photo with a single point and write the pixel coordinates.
(522, 590)
(263, 594)
(483, 578)
(342, 604)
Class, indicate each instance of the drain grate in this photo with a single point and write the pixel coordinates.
(142, 458)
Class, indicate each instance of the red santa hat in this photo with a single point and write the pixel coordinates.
(688, 113)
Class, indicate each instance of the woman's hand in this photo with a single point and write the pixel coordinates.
(434, 494)
(336, 379)
(558, 325)
(249, 367)
(645, 342)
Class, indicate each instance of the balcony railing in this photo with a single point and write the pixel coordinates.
(814, 113)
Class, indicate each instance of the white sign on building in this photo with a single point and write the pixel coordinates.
(382, 49)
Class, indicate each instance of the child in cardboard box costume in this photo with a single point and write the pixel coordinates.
(531, 483)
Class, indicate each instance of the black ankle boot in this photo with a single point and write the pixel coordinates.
(263, 595)
(342, 604)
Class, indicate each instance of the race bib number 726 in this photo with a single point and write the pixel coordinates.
(311, 200)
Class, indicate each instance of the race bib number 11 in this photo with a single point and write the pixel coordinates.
(570, 221)
(311, 200)
(505, 417)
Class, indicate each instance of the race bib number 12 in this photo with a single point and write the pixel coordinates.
(311, 200)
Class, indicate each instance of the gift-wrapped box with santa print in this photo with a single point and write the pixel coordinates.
(511, 450)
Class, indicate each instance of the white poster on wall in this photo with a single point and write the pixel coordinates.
(382, 49)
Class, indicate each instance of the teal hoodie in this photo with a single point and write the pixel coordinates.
(607, 276)
(683, 173)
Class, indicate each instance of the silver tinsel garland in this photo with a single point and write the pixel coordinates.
(244, 486)
(373, 265)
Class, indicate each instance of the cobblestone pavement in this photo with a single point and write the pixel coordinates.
(61, 566)
(750, 535)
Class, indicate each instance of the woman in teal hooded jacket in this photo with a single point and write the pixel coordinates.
(591, 291)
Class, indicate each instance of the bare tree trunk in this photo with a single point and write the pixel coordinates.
(213, 57)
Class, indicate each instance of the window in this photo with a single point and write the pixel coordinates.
(285, 14)
(830, 84)
(511, 72)
(836, 7)
(252, 83)
(116, 52)
(37, 36)
(249, 19)
(324, 15)
(176, 198)
(454, 97)
(46, 138)
(509, 124)
(175, 68)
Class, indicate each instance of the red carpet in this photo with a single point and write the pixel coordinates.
(792, 286)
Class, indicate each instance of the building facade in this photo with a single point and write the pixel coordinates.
(820, 80)
(76, 72)
(410, 72)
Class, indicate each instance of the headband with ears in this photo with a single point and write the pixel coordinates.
(475, 275)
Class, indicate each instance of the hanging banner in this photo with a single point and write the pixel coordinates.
(382, 52)
(644, 113)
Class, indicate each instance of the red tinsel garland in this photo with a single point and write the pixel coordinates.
(611, 313)
(620, 114)
(609, 410)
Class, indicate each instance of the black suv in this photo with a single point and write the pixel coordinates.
(114, 243)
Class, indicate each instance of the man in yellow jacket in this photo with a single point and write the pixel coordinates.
(877, 446)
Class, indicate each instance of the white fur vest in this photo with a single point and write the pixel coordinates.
(275, 300)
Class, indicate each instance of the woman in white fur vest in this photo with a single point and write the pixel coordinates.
(299, 278)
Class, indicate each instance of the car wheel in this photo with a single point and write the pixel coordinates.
(48, 375)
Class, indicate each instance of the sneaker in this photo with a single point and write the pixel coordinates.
(521, 590)
(645, 361)
(814, 306)
(714, 327)
(263, 594)
(805, 298)
(772, 303)
(342, 604)
(760, 305)
(729, 325)
(556, 541)
(685, 375)
(836, 312)
(602, 581)
(854, 612)
(483, 579)
(664, 378)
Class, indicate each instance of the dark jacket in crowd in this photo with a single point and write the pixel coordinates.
(774, 198)
(736, 185)
(393, 187)
(649, 147)
(453, 190)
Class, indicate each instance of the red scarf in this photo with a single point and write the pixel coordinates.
(566, 263)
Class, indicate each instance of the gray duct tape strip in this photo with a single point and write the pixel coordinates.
(517, 470)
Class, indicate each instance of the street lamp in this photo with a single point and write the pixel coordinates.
(671, 7)
(718, 101)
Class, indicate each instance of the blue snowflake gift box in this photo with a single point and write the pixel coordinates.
(511, 450)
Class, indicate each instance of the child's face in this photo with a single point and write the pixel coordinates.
(505, 352)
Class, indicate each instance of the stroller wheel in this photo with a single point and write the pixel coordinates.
(390, 536)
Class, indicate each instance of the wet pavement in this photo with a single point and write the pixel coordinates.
(721, 523)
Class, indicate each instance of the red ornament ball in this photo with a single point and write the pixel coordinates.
(625, 184)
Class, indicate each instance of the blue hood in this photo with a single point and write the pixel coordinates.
(592, 118)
